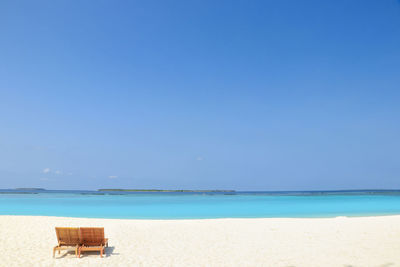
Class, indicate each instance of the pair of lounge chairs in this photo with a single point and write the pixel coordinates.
(81, 239)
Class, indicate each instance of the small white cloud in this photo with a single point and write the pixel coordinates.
(44, 179)
(112, 177)
(70, 173)
(46, 170)
(199, 158)
(58, 172)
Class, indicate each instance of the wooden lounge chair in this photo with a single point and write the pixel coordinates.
(68, 238)
(92, 239)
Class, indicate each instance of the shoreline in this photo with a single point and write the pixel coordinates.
(340, 241)
(204, 219)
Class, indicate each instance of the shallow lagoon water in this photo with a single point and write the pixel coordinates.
(120, 205)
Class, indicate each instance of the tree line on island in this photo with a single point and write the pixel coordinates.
(165, 190)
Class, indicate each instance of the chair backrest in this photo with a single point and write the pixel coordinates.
(92, 236)
(68, 236)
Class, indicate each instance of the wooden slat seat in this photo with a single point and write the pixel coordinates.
(68, 238)
(92, 239)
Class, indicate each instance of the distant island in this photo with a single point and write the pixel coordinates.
(163, 190)
(30, 189)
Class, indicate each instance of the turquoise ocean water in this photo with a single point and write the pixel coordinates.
(92, 204)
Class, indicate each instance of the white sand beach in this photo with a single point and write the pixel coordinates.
(361, 241)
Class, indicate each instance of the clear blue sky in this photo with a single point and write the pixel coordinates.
(245, 95)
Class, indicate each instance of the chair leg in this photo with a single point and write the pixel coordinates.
(54, 252)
